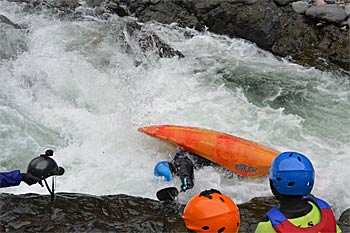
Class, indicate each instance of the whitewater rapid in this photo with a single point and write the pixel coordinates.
(83, 87)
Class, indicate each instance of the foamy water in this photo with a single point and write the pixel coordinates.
(82, 88)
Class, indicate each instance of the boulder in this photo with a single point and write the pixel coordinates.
(74, 212)
(330, 12)
(300, 6)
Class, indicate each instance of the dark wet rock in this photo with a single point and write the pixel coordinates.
(283, 2)
(148, 41)
(300, 6)
(165, 12)
(329, 12)
(85, 213)
(93, 3)
(71, 212)
(344, 221)
(152, 41)
(5, 20)
(348, 22)
(279, 30)
(347, 9)
(64, 4)
(254, 211)
(117, 8)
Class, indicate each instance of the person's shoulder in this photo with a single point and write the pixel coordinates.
(11, 173)
(315, 212)
(314, 206)
(264, 227)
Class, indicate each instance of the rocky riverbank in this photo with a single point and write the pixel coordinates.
(316, 35)
(71, 212)
(311, 33)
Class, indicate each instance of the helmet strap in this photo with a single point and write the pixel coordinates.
(207, 193)
(274, 191)
(52, 190)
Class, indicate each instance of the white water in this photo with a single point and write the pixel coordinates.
(77, 91)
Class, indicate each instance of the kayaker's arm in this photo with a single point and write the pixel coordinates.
(11, 178)
(184, 168)
(14, 178)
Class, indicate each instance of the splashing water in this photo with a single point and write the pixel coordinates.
(83, 87)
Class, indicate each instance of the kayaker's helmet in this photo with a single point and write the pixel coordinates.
(292, 173)
(211, 211)
(163, 169)
(43, 166)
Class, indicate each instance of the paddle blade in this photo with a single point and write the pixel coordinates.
(167, 194)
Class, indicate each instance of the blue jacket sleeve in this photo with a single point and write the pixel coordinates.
(12, 178)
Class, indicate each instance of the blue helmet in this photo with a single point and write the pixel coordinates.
(292, 173)
(163, 169)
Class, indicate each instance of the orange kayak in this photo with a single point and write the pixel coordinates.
(241, 156)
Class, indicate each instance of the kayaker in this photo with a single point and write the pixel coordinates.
(182, 165)
(211, 211)
(291, 179)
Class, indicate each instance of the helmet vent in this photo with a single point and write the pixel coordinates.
(299, 158)
(222, 199)
(222, 229)
(205, 228)
(279, 179)
(291, 183)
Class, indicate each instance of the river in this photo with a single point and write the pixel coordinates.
(83, 87)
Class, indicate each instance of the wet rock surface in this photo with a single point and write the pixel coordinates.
(73, 212)
(152, 41)
(314, 38)
(85, 213)
(344, 221)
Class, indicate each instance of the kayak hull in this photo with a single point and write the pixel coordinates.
(241, 156)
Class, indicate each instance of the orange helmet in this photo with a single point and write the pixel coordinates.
(211, 211)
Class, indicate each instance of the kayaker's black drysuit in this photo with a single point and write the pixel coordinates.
(183, 164)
